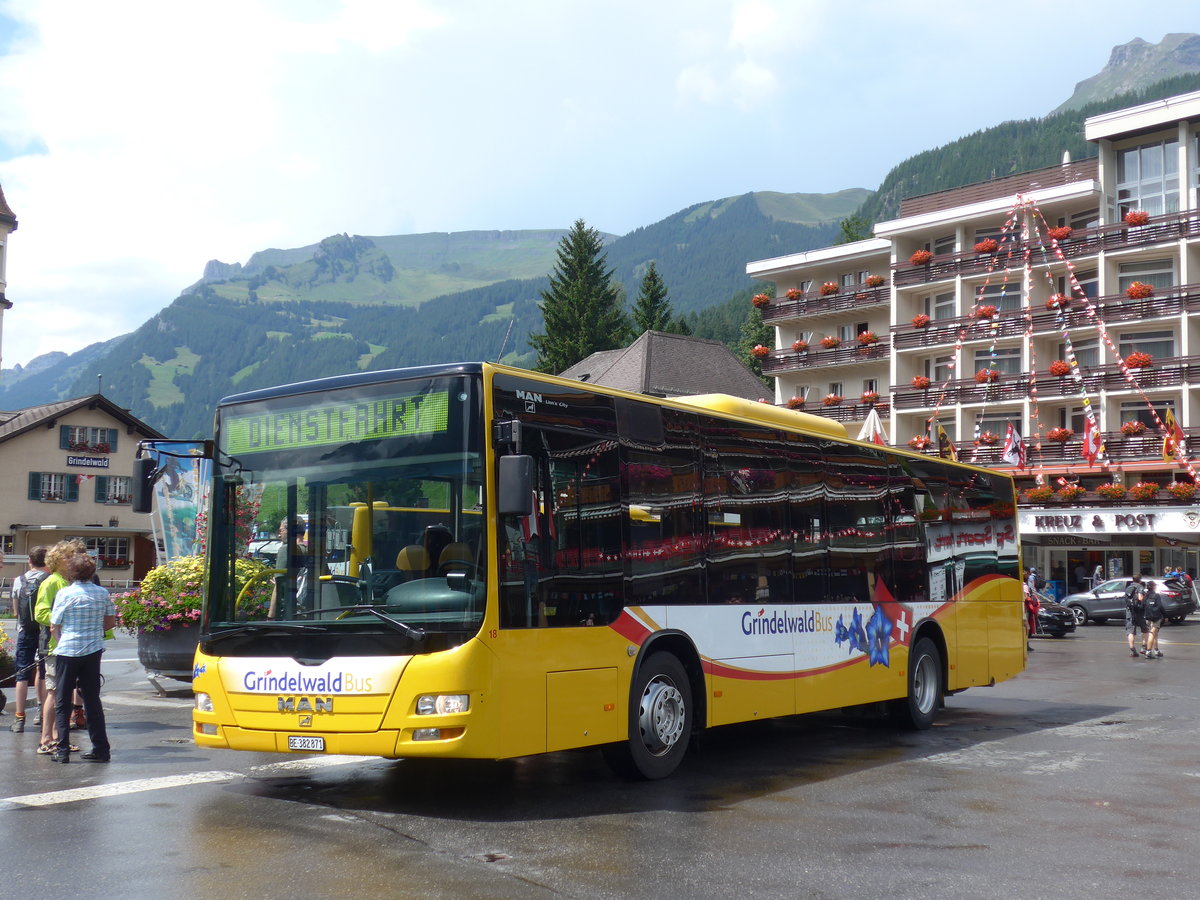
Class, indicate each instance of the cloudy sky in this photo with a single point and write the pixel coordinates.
(139, 139)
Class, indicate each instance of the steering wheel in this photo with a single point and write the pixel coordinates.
(251, 581)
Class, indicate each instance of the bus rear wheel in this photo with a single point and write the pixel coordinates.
(918, 709)
(660, 721)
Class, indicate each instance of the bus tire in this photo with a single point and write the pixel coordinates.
(660, 721)
(918, 709)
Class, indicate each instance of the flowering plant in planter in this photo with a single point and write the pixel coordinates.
(170, 595)
(986, 376)
(760, 352)
(1144, 490)
(1139, 290)
(760, 300)
(1134, 428)
(794, 293)
(987, 245)
(986, 312)
(1059, 435)
(1138, 360)
(867, 338)
(875, 281)
(921, 257)
(795, 403)
(870, 397)
(1137, 217)
(829, 342)
(1060, 367)
(800, 346)
(1182, 490)
(831, 399)
(920, 381)
(1070, 493)
(1039, 494)
(828, 289)
(1058, 301)
(1111, 491)
(920, 320)
(920, 442)
(989, 438)
(1060, 232)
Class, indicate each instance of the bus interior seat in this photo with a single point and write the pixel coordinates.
(413, 560)
(456, 557)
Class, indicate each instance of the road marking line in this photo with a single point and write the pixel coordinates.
(121, 788)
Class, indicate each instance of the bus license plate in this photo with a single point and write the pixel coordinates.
(305, 742)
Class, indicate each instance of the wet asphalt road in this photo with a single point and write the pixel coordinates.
(1078, 779)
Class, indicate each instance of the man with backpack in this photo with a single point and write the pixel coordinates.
(29, 663)
(1135, 612)
(1155, 613)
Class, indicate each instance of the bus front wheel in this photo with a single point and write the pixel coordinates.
(660, 721)
(918, 709)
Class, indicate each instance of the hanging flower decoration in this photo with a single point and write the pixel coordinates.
(794, 293)
(830, 341)
(1060, 368)
(986, 312)
(867, 338)
(828, 289)
(987, 245)
(1138, 360)
(1182, 490)
(920, 442)
(760, 300)
(1070, 493)
(989, 438)
(1139, 290)
(874, 281)
(1058, 301)
(1137, 217)
(1039, 494)
(1111, 491)
(920, 320)
(870, 397)
(1060, 232)
(831, 400)
(987, 376)
(920, 258)
(800, 346)
(1133, 429)
(1144, 490)
(921, 382)
(1059, 435)
(760, 352)
(795, 403)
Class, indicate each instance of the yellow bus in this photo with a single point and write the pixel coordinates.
(605, 569)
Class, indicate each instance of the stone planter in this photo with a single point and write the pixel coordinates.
(171, 652)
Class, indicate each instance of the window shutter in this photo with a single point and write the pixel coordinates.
(64, 437)
(112, 439)
(35, 485)
(72, 492)
(101, 488)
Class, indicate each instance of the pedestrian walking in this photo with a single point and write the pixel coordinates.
(24, 595)
(1135, 612)
(1155, 613)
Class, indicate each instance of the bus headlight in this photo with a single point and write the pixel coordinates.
(442, 704)
(204, 702)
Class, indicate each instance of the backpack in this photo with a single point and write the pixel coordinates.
(1154, 607)
(1039, 583)
(1135, 598)
(27, 597)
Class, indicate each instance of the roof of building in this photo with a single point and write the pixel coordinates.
(667, 365)
(47, 415)
(6, 213)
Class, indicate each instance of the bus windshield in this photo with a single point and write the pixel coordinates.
(363, 506)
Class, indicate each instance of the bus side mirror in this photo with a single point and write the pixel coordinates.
(142, 493)
(514, 486)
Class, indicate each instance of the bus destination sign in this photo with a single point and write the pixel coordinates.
(336, 423)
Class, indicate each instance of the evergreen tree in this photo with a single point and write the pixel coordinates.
(853, 228)
(581, 310)
(652, 310)
(756, 331)
(680, 326)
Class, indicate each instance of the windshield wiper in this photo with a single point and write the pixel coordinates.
(265, 628)
(416, 634)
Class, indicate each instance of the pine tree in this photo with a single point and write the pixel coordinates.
(853, 228)
(652, 310)
(581, 310)
(755, 331)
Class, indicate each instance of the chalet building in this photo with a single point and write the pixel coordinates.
(68, 468)
(1050, 301)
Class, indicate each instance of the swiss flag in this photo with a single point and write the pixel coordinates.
(1091, 440)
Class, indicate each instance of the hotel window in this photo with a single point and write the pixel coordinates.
(1089, 218)
(939, 369)
(835, 387)
(870, 384)
(847, 279)
(942, 306)
(863, 276)
(849, 333)
(1006, 360)
(1159, 344)
(1159, 273)
(997, 422)
(1137, 411)
(806, 286)
(1005, 295)
(1088, 281)
(1148, 178)
(1074, 417)
(944, 245)
(1087, 353)
(53, 487)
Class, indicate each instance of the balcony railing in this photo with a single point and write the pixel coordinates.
(849, 353)
(853, 297)
(846, 412)
(1118, 446)
(1083, 242)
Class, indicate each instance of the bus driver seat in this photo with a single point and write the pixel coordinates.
(456, 557)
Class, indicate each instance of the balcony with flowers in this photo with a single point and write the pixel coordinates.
(827, 351)
(827, 297)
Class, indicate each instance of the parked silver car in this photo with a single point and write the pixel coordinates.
(1107, 601)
